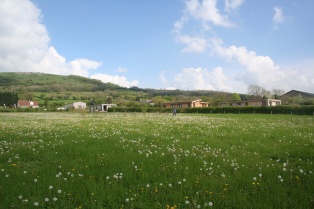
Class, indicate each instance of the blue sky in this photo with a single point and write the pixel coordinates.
(222, 45)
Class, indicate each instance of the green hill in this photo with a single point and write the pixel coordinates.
(41, 82)
(57, 90)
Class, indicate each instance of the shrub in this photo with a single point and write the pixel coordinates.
(295, 110)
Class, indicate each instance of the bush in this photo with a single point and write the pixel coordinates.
(295, 110)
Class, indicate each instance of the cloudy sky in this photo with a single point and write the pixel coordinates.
(223, 45)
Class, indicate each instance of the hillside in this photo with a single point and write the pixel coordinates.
(57, 90)
(48, 82)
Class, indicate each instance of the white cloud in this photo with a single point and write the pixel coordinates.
(262, 70)
(178, 25)
(24, 43)
(193, 44)
(255, 70)
(162, 77)
(207, 11)
(252, 68)
(119, 80)
(278, 16)
(83, 66)
(208, 14)
(232, 4)
(248, 59)
(121, 69)
(200, 78)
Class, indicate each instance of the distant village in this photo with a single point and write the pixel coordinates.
(197, 103)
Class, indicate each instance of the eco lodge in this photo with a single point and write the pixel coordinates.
(185, 104)
(27, 104)
(256, 103)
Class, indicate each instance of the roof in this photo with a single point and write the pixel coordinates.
(26, 103)
(185, 102)
(298, 92)
(252, 100)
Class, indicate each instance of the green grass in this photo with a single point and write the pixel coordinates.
(129, 160)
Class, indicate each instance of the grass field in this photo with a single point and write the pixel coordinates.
(137, 160)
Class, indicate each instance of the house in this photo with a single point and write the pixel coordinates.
(185, 104)
(76, 105)
(295, 93)
(101, 107)
(297, 97)
(147, 101)
(27, 104)
(255, 102)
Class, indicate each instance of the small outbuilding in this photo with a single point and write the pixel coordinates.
(255, 102)
(76, 105)
(101, 107)
(27, 104)
(185, 104)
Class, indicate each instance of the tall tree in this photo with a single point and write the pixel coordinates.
(257, 91)
(158, 101)
(27, 95)
(236, 97)
(277, 93)
(109, 99)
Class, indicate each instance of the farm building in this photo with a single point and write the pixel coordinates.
(185, 104)
(101, 107)
(256, 102)
(76, 105)
(295, 93)
(27, 104)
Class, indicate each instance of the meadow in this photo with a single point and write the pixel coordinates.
(155, 160)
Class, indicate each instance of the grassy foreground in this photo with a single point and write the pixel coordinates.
(137, 160)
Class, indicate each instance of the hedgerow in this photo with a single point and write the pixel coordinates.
(294, 110)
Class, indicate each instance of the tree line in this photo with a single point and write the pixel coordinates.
(8, 99)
